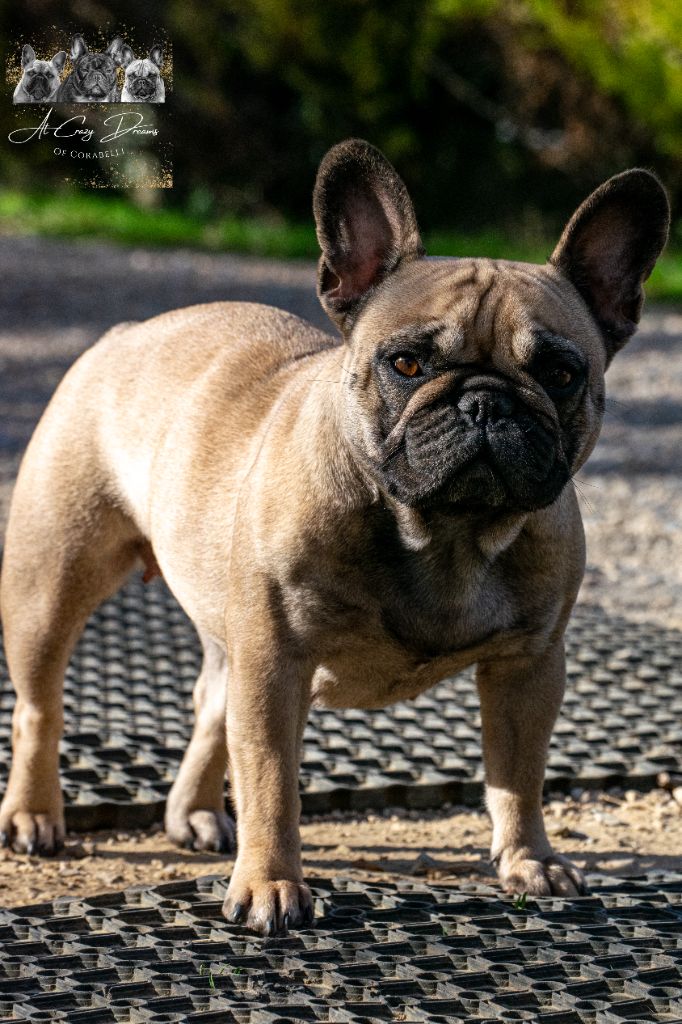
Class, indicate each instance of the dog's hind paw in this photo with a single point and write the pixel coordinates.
(202, 830)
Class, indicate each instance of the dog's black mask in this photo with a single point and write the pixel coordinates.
(479, 447)
(143, 86)
(95, 75)
(40, 84)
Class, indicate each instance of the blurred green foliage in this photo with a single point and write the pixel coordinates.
(498, 113)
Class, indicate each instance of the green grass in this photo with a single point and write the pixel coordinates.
(116, 219)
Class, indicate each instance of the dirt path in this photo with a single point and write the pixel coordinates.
(622, 835)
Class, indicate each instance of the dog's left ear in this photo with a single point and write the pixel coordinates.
(609, 248)
(115, 49)
(58, 61)
(28, 55)
(156, 55)
(365, 224)
(127, 56)
(78, 47)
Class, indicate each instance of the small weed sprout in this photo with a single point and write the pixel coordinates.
(520, 901)
(204, 969)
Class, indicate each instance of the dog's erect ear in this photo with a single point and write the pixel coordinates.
(115, 49)
(609, 248)
(156, 56)
(28, 55)
(58, 61)
(127, 56)
(78, 47)
(365, 224)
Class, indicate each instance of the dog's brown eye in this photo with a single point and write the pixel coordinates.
(408, 366)
(560, 377)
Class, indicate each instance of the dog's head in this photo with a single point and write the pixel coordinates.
(41, 77)
(143, 76)
(477, 384)
(94, 74)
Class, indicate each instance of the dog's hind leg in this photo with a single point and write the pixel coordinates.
(66, 550)
(195, 812)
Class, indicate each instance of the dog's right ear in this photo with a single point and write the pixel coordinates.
(366, 226)
(78, 47)
(28, 55)
(127, 56)
(58, 61)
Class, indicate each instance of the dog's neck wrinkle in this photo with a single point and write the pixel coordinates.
(490, 539)
(319, 431)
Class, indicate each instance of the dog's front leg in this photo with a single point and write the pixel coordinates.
(520, 700)
(267, 705)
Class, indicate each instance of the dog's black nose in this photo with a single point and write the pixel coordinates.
(484, 407)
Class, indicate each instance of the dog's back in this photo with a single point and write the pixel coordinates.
(212, 371)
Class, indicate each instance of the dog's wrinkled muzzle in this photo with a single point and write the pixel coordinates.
(143, 88)
(478, 448)
(96, 85)
(39, 87)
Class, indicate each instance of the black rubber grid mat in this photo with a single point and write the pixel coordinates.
(129, 717)
(403, 952)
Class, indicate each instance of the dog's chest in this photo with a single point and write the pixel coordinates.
(409, 633)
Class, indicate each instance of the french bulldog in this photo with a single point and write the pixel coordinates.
(40, 79)
(346, 520)
(93, 79)
(143, 82)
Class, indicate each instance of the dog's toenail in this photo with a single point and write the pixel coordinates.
(4, 838)
(236, 914)
(32, 848)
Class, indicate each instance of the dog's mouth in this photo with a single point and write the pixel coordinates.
(448, 462)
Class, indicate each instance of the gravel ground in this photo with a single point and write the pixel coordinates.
(56, 298)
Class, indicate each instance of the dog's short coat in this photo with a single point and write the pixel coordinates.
(345, 521)
(40, 79)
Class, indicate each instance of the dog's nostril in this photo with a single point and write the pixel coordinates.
(483, 407)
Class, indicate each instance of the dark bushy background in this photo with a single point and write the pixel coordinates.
(493, 111)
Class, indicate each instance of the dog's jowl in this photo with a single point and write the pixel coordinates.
(346, 520)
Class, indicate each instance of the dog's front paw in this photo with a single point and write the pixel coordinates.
(33, 832)
(201, 829)
(520, 872)
(268, 907)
